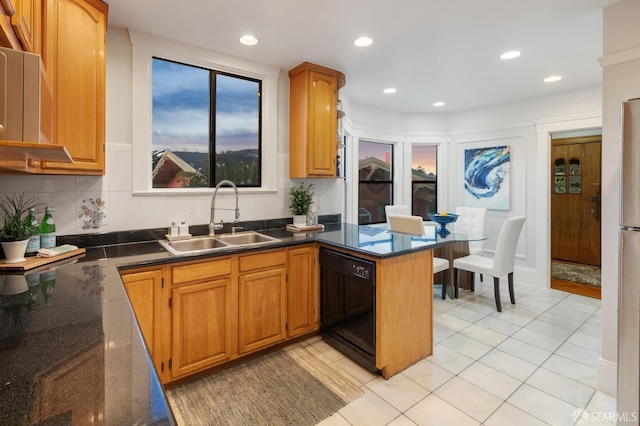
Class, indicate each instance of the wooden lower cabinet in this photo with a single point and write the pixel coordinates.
(262, 313)
(198, 314)
(203, 325)
(262, 289)
(303, 291)
(145, 291)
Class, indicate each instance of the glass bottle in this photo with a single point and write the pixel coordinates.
(34, 240)
(47, 230)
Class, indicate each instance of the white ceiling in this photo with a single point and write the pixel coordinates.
(429, 50)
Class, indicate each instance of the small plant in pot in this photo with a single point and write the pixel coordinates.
(15, 230)
(301, 198)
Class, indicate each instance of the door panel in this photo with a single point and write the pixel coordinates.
(575, 200)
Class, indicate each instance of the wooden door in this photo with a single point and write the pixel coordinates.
(575, 199)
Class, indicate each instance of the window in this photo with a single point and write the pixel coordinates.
(375, 181)
(204, 120)
(424, 180)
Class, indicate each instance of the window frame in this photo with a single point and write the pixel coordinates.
(414, 182)
(144, 48)
(390, 182)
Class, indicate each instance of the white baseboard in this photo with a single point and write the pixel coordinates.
(607, 377)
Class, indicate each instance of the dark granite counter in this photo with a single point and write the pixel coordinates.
(378, 241)
(70, 348)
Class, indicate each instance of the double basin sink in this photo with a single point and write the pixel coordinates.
(198, 245)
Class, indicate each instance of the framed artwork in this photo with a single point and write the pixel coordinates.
(487, 178)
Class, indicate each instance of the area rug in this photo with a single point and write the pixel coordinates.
(286, 387)
(577, 273)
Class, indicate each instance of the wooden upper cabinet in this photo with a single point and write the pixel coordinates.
(313, 120)
(27, 22)
(74, 56)
(8, 36)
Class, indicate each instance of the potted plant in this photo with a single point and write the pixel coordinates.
(301, 198)
(15, 230)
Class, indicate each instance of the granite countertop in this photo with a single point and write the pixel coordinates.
(70, 348)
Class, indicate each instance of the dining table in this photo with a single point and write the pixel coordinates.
(459, 247)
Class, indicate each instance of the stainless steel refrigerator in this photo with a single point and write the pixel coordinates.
(629, 286)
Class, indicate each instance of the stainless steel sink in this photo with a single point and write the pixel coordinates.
(199, 245)
(192, 244)
(246, 238)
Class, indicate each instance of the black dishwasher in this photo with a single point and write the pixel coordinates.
(348, 293)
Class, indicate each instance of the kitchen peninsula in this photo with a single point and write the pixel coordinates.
(71, 349)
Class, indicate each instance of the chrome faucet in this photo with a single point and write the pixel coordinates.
(213, 226)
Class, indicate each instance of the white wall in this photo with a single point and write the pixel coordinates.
(621, 81)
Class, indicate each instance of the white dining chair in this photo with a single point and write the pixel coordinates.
(439, 264)
(500, 265)
(471, 219)
(397, 209)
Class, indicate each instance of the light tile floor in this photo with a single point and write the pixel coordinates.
(532, 364)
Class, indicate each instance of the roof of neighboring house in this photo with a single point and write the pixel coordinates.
(167, 168)
(373, 164)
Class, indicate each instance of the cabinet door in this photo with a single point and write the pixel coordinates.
(302, 292)
(203, 325)
(26, 24)
(262, 308)
(75, 61)
(323, 125)
(7, 34)
(145, 293)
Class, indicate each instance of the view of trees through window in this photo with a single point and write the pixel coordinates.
(204, 120)
(424, 181)
(375, 181)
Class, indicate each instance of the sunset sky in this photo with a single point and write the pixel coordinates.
(421, 155)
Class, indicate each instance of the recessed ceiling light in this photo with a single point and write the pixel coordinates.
(248, 40)
(552, 78)
(390, 90)
(438, 104)
(363, 41)
(510, 55)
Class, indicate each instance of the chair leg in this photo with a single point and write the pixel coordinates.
(480, 277)
(455, 283)
(472, 286)
(513, 298)
(496, 292)
(445, 284)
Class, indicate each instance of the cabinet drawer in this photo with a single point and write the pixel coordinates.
(262, 260)
(199, 271)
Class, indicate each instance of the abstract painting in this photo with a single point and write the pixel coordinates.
(486, 177)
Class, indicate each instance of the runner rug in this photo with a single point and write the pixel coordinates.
(287, 387)
(584, 274)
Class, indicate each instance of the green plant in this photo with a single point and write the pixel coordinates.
(301, 198)
(13, 211)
